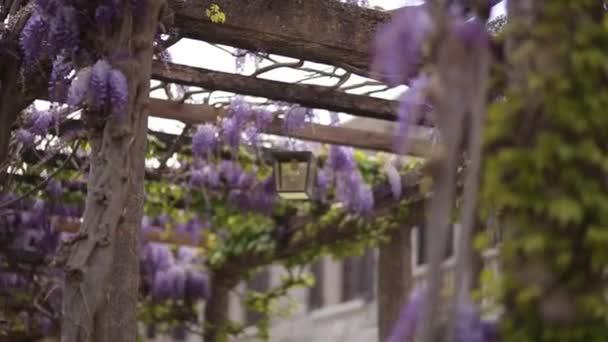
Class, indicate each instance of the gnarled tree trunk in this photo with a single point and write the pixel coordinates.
(102, 268)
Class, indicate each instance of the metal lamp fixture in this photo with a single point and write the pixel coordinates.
(294, 174)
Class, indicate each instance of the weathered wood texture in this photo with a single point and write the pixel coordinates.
(324, 31)
(394, 279)
(199, 113)
(102, 261)
(307, 95)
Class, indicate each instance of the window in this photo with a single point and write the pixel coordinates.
(358, 277)
(419, 236)
(315, 297)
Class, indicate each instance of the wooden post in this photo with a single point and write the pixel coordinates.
(394, 279)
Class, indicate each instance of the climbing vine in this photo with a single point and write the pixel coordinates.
(546, 172)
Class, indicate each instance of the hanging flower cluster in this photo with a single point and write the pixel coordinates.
(469, 327)
(99, 87)
(398, 52)
(351, 189)
(53, 32)
(173, 277)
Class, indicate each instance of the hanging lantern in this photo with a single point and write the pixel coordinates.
(294, 174)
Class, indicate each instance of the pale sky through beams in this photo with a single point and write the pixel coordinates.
(204, 55)
(201, 54)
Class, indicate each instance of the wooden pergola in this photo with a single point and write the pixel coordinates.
(323, 31)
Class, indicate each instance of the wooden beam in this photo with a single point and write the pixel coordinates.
(307, 95)
(200, 113)
(324, 31)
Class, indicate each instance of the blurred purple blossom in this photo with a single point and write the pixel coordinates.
(341, 159)
(412, 106)
(204, 140)
(98, 88)
(42, 120)
(405, 327)
(263, 118)
(230, 172)
(58, 81)
(25, 137)
(64, 31)
(354, 194)
(119, 91)
(79, 87)
(394, 179)
(398, 46)
(240, 111)
(231, 132)
(473, 33)
(32, 37)
(54, 188)
(296, 118)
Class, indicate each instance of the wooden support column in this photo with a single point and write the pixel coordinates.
(394, 279)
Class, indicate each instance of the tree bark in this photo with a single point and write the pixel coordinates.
(394, 279)
(216, 308)
(102, 268)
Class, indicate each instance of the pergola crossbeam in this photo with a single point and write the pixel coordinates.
(419, 145)
(307, 95)
(324, 31)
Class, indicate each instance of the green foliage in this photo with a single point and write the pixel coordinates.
(545, 174)
(267, 303)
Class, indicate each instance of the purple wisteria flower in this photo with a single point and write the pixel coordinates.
(54, 188)
(394, 179)
(42, 120)
(25, 137)
(64, 31)
(98, 88)
(354, 194)
(32, 38)
(174, 278)
(398, 46)
(412, 106)
(204, 140)
(473, 33)
(263, 118)
(97, 85)
(197, 285)
(59, 81)
(296, 118)
(405, 328)
(118, 89)
(341, 159)
(79, 87)
(469, 326)
(230, 172)
(240, 111)
(231, 132)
